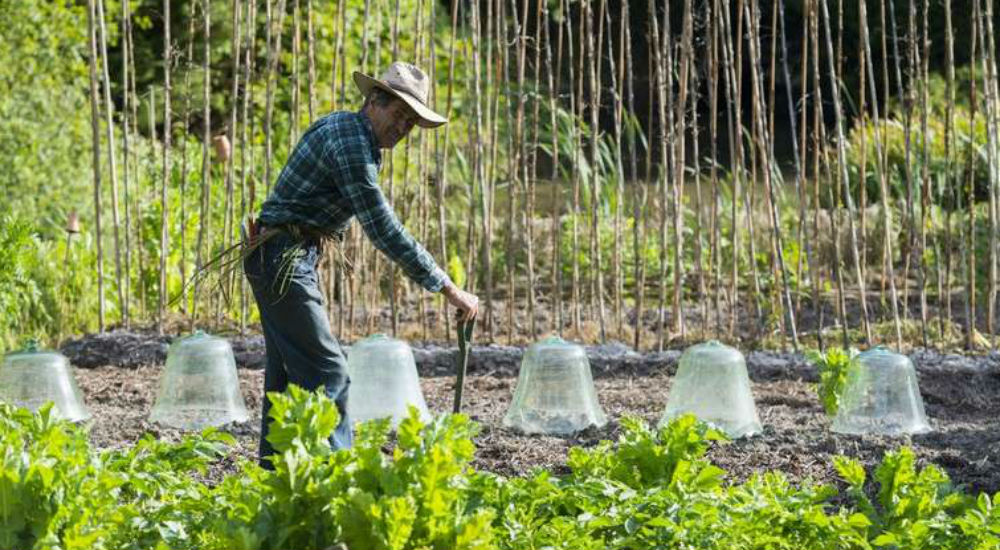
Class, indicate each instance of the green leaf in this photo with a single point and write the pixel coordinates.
(850, 470)
(859, 521)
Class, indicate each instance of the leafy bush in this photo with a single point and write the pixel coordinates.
(833, 366)
(18, 291)
(47, 286)
(947, 175)
(45, 136)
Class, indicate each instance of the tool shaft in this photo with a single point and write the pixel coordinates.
(462, 362)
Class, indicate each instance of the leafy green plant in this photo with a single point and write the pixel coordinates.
(912, 508)
(668, 456)
(18, 291)
(654, 488)
(833, 366)
(55, 491)
(417, 497)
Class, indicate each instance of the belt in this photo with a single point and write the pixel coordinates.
(297, 231)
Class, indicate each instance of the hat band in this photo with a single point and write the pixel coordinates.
(404, 90)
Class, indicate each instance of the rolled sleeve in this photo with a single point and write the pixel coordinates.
(358, 176)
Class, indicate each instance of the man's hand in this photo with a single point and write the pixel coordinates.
(466, 303)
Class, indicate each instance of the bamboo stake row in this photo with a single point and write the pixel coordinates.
(544, 94)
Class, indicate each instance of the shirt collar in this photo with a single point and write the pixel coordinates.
(366, 123)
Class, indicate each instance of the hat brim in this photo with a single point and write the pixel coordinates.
(427, 117)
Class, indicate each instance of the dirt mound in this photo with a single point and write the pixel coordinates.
(119, 348)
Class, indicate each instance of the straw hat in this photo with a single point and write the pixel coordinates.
(408, 83)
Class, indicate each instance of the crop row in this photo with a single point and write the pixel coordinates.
(650, 489)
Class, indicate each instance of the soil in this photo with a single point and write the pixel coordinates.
(960, 394)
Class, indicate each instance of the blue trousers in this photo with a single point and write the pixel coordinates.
(301, 350)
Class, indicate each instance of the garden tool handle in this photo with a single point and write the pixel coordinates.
(464, 339)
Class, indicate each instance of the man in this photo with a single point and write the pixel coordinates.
(331, 177)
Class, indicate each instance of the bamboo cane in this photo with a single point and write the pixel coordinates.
(993, 141)
(736, 154)
(109, 129)
(880, 158)
(680, 135)
(96, 154)
(311, 55)
(771, 107)
(844, 177)
(531, 170)
(576, 107)
(473, 181)
(442, 179)
(594, 68)
(246, 203)
(151, 167)
(491, 32)
(421, 169)
(293, 128)
(751, 186)
(518, 159)
(554, 71)
(186, 117)
(657, 46)
(910, 101)
(699, 207)
(922, 49)
(764, 149)
(512, 146)
(274, 41)
(127, 102)
(129, 90)
(666, 47)
(392, 270)
(375, 266)
(920, 53)
(651, 177)
(951, 186)
(925, 210)
(819, 164)
(617, 71)
(229, 220)
(970, 192)
(713, 116)
(204, 227)
(815, 270)
(638, 242)
(863, 167)
(422, 157)
(834, 182)
(164, 228)
(796, 153)
(339, 59)
(347, 281)
(479, 177)
(890, 25)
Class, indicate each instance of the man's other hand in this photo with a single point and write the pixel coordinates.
(466, 303)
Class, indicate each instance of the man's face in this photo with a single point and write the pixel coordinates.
(392, 122)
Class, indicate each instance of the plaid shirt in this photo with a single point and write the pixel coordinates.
(332, 176)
